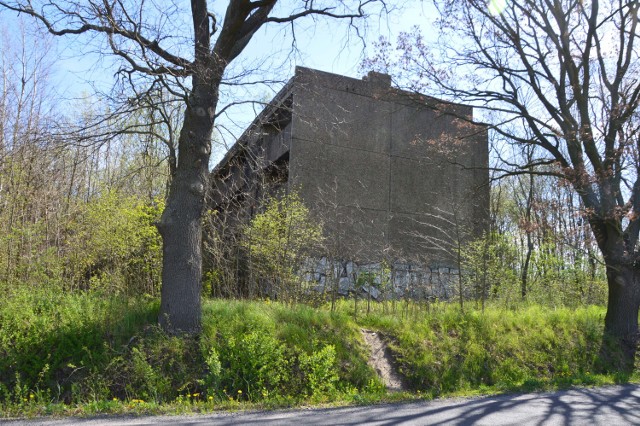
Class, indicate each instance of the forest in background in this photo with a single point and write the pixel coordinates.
(78, 208)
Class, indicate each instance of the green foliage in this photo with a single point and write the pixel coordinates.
(110, 243)
(491, 264)
(54, 342)
(214, 369)
(278, 240)
(89, 348)
(157, 368)
(268, 351)
(115, 245)
(493, 271)
(252, 364)
(565, 282)
(445, 351)
(319, 370)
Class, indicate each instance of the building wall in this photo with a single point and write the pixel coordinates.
(257, 166)
(388, 174)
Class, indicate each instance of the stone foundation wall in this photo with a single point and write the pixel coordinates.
(398, 280)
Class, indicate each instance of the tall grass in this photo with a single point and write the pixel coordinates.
(84, 348)
(52, 342)
(273, 349)
(87, 349)
(445, 351)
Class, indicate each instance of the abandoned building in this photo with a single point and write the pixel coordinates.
(394, 176)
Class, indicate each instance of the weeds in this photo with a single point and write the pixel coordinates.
(86, 353)
(444, 351)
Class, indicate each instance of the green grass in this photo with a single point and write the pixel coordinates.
(445, 352)
(87, 353)
(294, 334)
(55, 346)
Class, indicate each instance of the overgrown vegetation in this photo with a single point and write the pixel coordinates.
(80, 273)
(494, 267)
(85, 352)
(442, 351)
(278, 240)
(87, 348)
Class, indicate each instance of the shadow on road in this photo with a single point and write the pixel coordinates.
(615, 405)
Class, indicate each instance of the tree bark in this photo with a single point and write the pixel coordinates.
(528, 231)
(621, 320)
(181, 222)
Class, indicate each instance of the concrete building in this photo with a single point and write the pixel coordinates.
(393, 175)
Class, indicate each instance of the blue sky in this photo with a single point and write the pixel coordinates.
(321, 44)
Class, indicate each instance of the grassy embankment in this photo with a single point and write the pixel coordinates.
(86, 354)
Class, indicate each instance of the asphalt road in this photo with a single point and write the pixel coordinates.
(611, 406)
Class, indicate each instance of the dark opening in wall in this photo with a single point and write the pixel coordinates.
(277, 175)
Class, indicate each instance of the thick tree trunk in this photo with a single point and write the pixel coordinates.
(181, 222)
(621, 320)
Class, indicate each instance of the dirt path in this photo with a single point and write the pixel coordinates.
(382, 361)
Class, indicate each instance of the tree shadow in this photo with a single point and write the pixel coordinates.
(614, 405)
(54, 361)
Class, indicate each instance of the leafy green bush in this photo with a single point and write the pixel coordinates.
(114, 245)
(278, 240)
(268, 350)
(319, 370)
(156, 367)
(252, 364)
(110, 243)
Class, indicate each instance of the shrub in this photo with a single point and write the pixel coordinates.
(266, 350)
(319, 369)
(278, 240)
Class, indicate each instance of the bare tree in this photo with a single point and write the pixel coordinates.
(150, 41)
(560, 75)
(26, 114)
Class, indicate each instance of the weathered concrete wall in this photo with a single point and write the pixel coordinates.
(257, 166)
(409, 181)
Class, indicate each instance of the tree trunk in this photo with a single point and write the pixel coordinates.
(525, 268)
(181, 222)
(621, 320)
